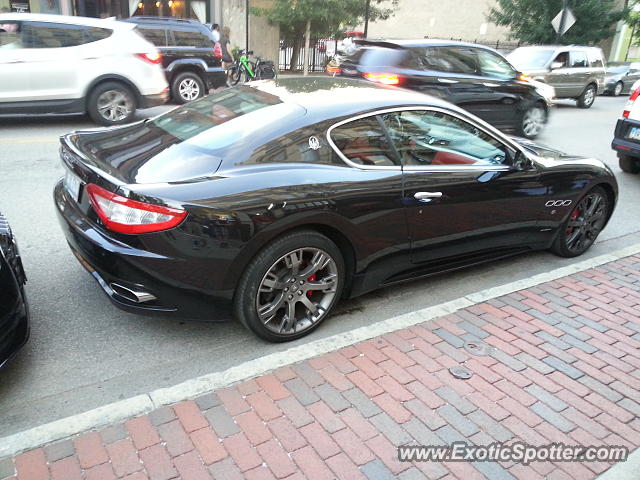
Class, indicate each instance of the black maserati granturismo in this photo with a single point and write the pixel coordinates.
(269, 202)
(14, 318)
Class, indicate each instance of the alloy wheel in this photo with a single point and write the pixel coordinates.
(585, 222)
(189, 89)
(533, 121)
(114, 105)
(589, 96)
(297, 291)
(617, 90)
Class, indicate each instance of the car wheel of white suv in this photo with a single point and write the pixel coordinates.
(111, 103)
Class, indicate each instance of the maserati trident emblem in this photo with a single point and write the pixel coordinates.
(314, 143)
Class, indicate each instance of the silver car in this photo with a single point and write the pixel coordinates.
(575, 72)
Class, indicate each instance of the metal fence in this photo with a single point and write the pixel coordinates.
(318, 57)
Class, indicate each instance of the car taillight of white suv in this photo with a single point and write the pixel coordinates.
(62, 64)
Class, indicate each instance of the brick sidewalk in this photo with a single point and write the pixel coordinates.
(565, 368)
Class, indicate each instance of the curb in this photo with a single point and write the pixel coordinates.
(140, 404)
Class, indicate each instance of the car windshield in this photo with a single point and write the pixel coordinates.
(617, 69)
(195, 117)
(526, 58)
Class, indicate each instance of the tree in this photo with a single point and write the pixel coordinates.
(327, 17)
(530, 20)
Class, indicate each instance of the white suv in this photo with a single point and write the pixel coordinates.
(60, 64)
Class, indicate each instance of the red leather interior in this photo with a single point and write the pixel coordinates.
(448, 158)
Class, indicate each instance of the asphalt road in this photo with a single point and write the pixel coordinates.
(84, 352)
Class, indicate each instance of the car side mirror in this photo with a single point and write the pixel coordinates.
(556, 65)
(521, 162)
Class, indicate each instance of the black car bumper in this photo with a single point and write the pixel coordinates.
(621, 141)
(216, 77)
(14, 315)
(148, 101)
(130, 277)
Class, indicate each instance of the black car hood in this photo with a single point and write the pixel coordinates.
(143, 153)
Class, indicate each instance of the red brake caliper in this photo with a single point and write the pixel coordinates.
(312, 278)
(574, 215)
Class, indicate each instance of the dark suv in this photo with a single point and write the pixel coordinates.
(471, 76)
(187, 48)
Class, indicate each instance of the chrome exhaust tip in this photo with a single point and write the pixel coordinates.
(136, 296)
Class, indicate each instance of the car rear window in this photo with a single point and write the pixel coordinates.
(378, 57)
(195, 117)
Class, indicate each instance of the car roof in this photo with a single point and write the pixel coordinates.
(89, 22)
(169, 21)
(424, 42)
(557, 47)
(331, 97)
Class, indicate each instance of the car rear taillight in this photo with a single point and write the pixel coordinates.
(384, 78)
(331, 69)
(152, 57)
(632, 98)
(124, 215)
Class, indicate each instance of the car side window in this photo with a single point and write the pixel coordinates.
(157, 36)
(364, 142)
(53, 35)
(449, 59)
(595, 58)
(191, 38)
(563, 58)
(578, 59)
(10, 35)
(434, 138)
(495, 66)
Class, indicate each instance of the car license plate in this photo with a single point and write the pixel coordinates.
(72, 184)
(634, 133)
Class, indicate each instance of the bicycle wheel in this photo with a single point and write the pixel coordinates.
(233, 75)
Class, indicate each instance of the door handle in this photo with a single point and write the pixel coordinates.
(447, 80)
(489, 84)
(427, 195)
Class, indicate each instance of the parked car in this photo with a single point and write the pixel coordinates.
(14, 314)
(620, 77)
(272, 200)
(188, 57)
(575, 72)
(626, 138)
(59, 64)
(474, 77)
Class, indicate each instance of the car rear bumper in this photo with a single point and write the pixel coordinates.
(14, 327)
(148, 101)
(216, 77)
(621, 143)
(130, 277)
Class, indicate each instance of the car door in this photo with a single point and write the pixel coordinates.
(460, 194)
(14, 70)
(453, 74)
(500, 77)
(559, 75)
(580, 72)
(632, 76)
(54, 59)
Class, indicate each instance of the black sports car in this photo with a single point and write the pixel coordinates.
(272, 200)
(14, 321)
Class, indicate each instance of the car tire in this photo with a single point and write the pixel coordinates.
(587, 97)
(532, 122)
(617, 89)
(628, 164)
(581, 228)
(187, 87)
(272, 288)
(111, 103)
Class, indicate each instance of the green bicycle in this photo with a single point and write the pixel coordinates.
(245, 68)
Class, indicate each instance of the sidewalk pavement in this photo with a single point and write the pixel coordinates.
(565, 367)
